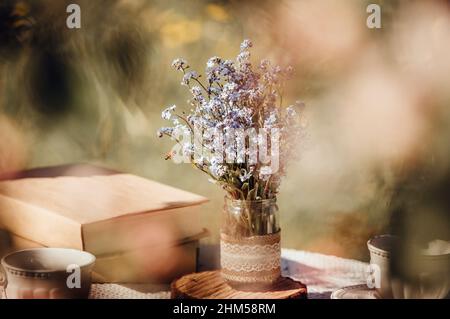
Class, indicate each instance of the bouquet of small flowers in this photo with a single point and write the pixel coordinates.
(237, 131)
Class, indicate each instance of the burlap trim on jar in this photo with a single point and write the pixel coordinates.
(254, 259)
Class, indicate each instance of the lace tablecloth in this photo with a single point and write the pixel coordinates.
(321, 273)
(115, 291)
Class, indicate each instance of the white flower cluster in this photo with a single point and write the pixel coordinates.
(234, 110)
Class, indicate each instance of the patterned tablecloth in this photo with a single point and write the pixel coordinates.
(321, 273)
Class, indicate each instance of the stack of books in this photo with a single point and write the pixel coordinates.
(140, 231)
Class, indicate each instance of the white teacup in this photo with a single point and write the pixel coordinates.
(47, 273)
(432, 272)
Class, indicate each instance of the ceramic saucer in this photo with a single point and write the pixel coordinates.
(355, 292)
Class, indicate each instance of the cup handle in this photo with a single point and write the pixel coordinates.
(3, 283)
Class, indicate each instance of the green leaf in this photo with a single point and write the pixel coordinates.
(253, 193)
(244, 188)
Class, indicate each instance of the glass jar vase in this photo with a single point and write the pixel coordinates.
(250, 243)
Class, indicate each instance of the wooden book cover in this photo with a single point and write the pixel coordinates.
(99, 214)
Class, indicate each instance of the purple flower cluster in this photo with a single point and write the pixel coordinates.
(234, 99)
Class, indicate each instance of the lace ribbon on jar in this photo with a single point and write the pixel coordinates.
(251, 259)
